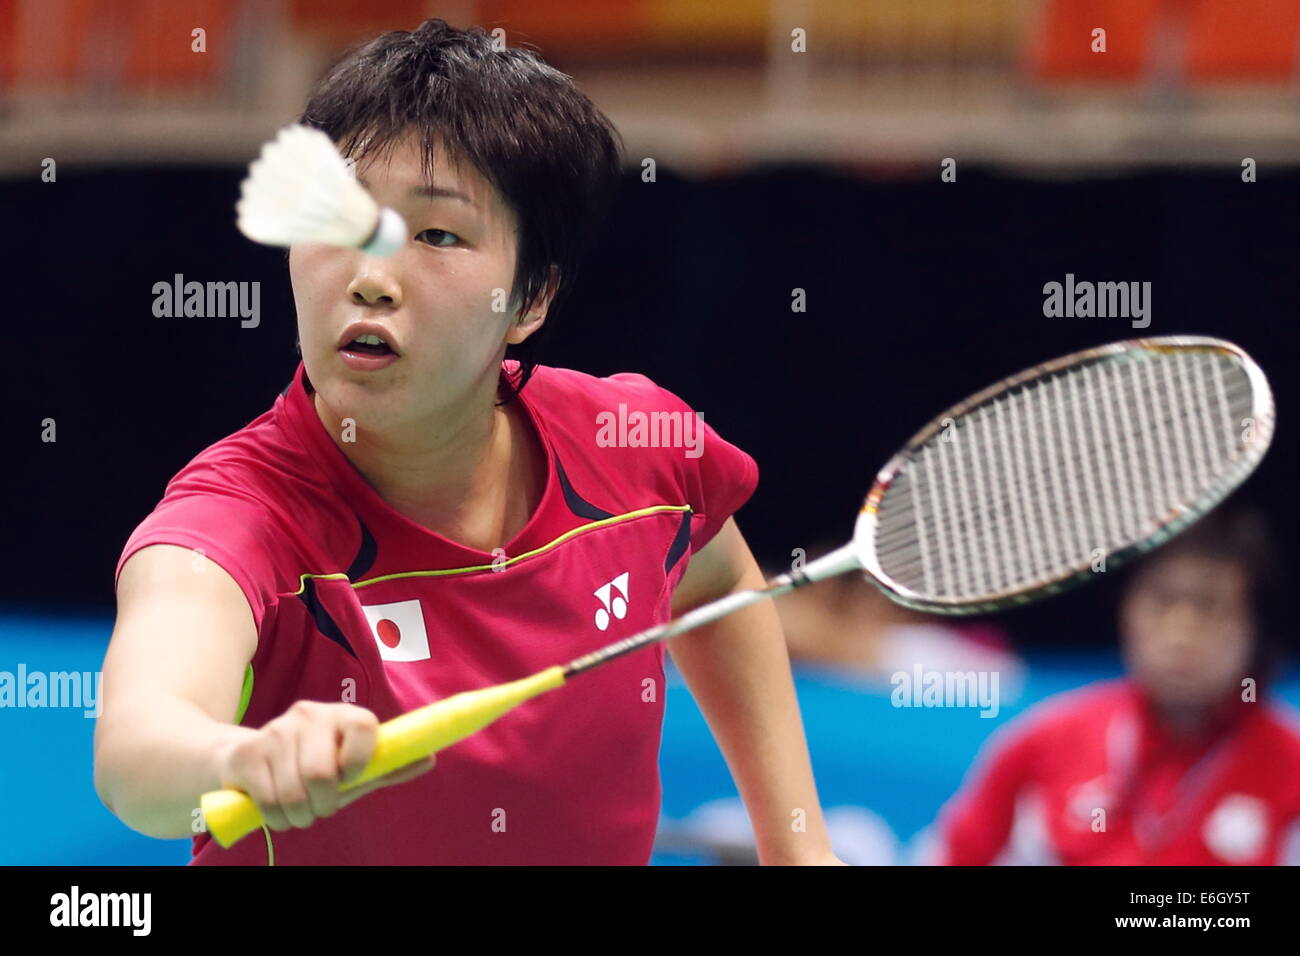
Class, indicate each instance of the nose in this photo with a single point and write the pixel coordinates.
(375, 284)
(1181, 625)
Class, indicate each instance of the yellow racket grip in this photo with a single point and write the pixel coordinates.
(230, 815)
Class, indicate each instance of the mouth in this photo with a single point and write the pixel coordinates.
(369, 339)
(367, 351)
(368, 345)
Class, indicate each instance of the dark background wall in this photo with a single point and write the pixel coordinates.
(918, 293)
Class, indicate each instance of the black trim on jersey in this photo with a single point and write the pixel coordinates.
(324, 623)
(365, 558)
(579, 506)
(680, 542)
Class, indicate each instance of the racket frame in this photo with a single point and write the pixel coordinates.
(1177, 520)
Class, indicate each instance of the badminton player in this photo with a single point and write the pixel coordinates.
(428, 515)
(1184, 761)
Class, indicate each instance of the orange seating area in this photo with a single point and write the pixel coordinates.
(1252, 40)
(133, 44)
(146, 44)
(1217, 40)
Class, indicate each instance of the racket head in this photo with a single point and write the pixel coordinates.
(1218, 398)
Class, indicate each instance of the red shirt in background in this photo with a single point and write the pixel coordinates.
(1093, 777)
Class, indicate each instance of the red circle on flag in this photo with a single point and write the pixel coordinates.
(388, 632)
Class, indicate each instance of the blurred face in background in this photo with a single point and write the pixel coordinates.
(1187, 629)
(436, 296)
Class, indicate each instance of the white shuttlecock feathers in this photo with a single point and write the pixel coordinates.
(301, 190)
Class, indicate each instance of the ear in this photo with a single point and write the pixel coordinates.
(529, 322)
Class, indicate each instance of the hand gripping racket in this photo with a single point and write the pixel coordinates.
(1005, 498)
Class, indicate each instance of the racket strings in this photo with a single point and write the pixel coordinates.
(1047, 436)
(1015, 539)
(1033, 550)
(1039, 482)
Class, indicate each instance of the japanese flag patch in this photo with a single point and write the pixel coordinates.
(398, 630)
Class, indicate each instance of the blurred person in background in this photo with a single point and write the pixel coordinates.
(1184, 760)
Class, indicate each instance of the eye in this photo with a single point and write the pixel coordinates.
(439, 237)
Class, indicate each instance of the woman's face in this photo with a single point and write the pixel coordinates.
(443, 299)
(1187, 630)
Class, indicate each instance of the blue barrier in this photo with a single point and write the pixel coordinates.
(882, 771)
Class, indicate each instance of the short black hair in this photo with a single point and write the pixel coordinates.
(526, 127)
(1239, 532)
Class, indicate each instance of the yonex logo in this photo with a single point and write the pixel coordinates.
(614, 597)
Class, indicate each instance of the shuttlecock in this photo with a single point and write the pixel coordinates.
(301, 190)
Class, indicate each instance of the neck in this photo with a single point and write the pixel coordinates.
(1185, 723)
(1190, 722)
(433, 468)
